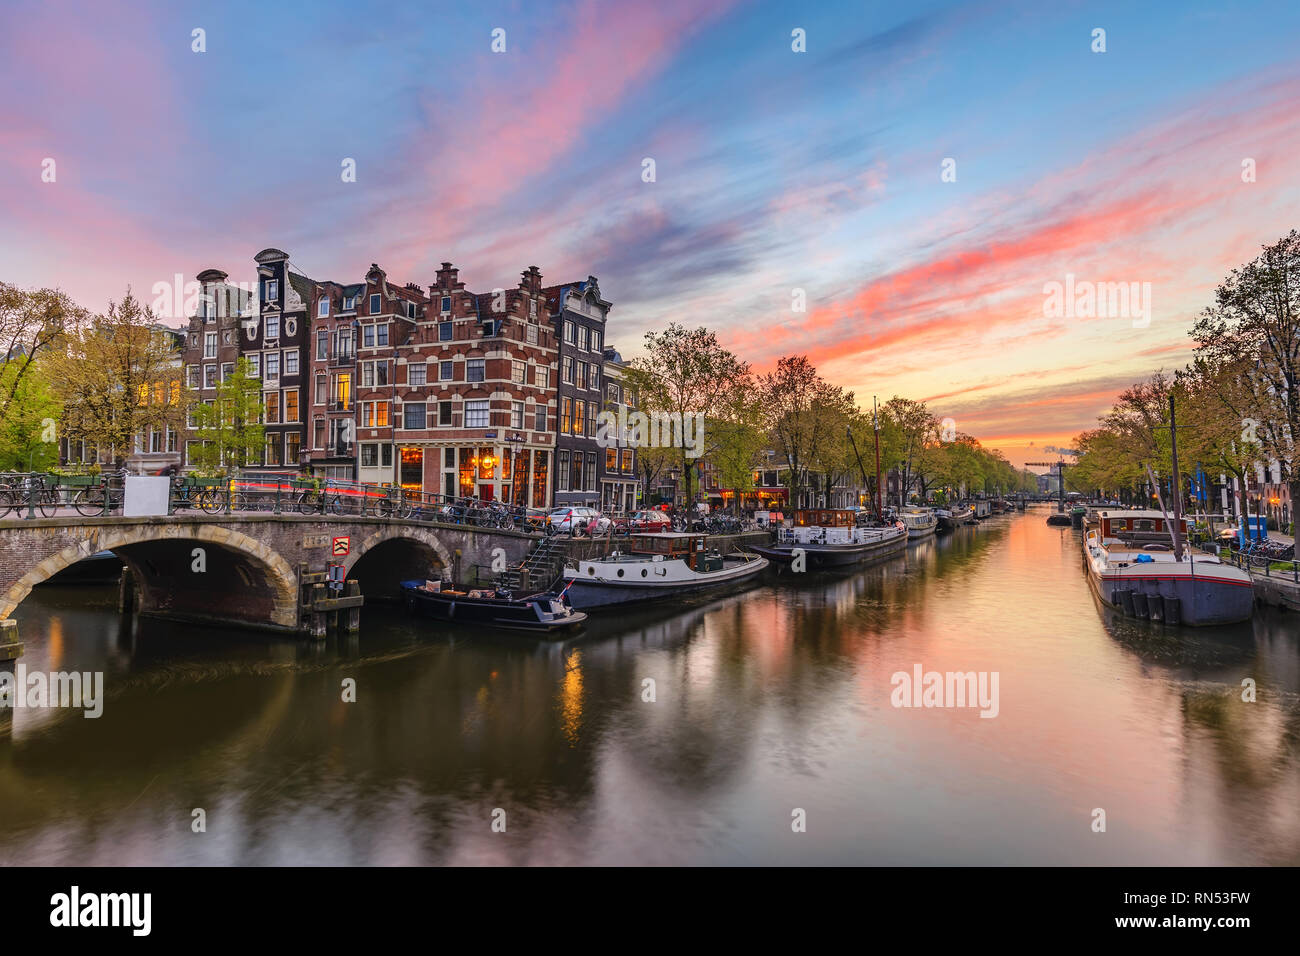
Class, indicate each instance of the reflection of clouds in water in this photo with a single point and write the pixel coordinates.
(768, 698)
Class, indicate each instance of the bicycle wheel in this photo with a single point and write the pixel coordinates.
(307, 504)
(89, 502)
(47, 501)
(335, 505)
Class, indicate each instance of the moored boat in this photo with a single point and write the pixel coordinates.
(491, 607)
(661, 566)
(919, 522)
(1133, 568)
(832, 539)
(952, 518)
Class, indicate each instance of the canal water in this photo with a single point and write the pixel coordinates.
(771, 737)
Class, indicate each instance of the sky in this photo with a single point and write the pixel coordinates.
(918, 176)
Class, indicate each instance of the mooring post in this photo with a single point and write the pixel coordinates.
(10, 646)
(353, 589)
(126, 597)
(319, 623)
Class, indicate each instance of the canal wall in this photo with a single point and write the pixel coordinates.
(1276, 590)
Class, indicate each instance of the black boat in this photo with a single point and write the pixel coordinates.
(491, 607)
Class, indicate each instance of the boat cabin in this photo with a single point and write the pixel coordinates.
(1137, 526)
(672, 545)
(824, 518)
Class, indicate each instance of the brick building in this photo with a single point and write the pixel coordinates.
(474, 381)
(275, 343)
(578, 314)
(619, 483)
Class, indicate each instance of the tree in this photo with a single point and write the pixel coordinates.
(686, 377)
(28, 433)
(229, 429)
(914, 428)
(808, 419)
(117, 375)
(30, 323)
(1253, 329)
(737, 440)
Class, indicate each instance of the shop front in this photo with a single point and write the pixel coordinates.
(512, 475)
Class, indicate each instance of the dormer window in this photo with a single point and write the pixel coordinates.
(272, 290)
(374, 304)
(324, 308)
(410, 310)
(446, 305)
(349, 303)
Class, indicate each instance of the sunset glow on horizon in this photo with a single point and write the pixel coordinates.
(776, 172)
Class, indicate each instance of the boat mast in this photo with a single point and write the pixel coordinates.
(875, 421)
(1176, 490)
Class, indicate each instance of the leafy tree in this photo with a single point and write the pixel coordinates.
(1253, 329)
(808, 419)
(30, 323)
(686, 372)
(914, 428)
(738, 439)
(28, 435)
(116, 375)
(229, 429)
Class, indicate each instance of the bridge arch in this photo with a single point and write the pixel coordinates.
(160, 557)
(390, 555)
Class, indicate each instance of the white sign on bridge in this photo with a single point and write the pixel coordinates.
(145, 497)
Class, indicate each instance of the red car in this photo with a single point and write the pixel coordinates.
(650, 521)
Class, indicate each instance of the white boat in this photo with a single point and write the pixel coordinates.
(918, 521)
(663, 566)
(830, 538)
(1132, 567)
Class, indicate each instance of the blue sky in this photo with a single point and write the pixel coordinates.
(775, 170)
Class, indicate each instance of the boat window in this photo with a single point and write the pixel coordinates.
(644, 572)
(591, 571)
(620, 572)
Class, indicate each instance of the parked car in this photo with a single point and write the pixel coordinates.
(650, 521)
(577, 520)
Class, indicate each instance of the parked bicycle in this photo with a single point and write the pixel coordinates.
(27, 494)
(321, 501)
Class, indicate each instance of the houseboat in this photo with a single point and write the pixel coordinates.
(490, 607)
(983, 509)
(656, 566)
(952, 518)
(833, 539)
(1132, 565)
(919, 522)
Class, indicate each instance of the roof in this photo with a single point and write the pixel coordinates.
(1146, 513)
(302, 285)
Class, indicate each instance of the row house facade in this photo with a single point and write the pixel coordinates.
(268, 326)
(439, 389)
(619, 481)
(578, 315)
(474, 393)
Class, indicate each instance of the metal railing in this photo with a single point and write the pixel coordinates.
(1268, 562)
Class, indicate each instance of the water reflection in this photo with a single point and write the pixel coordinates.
(765, 700)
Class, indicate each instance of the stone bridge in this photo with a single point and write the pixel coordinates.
(246, 567)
